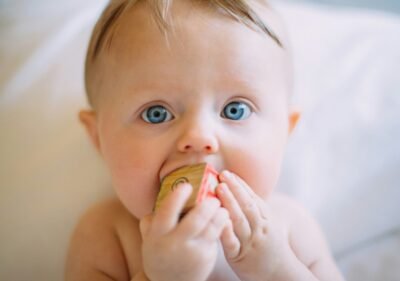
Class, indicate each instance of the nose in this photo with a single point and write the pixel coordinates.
(198, 138)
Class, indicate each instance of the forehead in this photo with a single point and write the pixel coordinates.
(160, 11)
(201, 40)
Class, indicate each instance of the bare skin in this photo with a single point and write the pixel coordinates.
(107, 245)
(222, 92)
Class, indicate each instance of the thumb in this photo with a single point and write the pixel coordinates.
(145, 224)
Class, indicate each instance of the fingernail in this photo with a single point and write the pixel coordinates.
(182, 185)
(221, 188)
(226, 175)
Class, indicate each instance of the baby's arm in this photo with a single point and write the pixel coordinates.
(95, 251)
(308, 242)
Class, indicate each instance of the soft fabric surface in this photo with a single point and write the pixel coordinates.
(343, 161)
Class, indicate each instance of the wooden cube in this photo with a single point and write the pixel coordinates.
(202, 177)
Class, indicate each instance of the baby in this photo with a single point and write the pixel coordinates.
(177, 83)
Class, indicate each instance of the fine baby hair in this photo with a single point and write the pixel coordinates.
(102, 36)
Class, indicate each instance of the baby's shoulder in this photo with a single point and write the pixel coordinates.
(100, 242)
(304, 233)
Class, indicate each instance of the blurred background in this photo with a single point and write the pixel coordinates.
(384, 5)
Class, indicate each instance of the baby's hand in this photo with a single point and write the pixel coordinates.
(255, 246)
(182, 250)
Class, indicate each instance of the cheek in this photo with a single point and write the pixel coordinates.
(258, 162)
(134, 170)
(260, 170)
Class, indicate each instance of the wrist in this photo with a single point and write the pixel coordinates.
(291, 268)
(276, 268)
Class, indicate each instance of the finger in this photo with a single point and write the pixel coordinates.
(241, 226)
(262, 204)
(167, 215)
(198, 218)
(145, 224)
(230, 243)
(243, 194)
(216, 225)
(244, 185)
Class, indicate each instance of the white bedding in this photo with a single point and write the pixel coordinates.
(343, 161)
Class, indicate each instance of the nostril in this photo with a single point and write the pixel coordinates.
(207, 148)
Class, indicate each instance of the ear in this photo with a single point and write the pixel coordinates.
(89, 120)
(294, 117)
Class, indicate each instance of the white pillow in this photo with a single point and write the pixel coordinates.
(343, 167)
(49, 173)
(343, 161)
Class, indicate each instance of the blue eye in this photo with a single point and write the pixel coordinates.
(236, 111)
(156, 114)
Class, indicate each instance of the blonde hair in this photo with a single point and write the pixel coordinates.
(102, 35)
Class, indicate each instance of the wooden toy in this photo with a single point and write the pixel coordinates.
(202, 177)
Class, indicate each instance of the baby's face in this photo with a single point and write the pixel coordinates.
(216, 92)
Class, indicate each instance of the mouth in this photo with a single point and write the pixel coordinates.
(166, 170)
